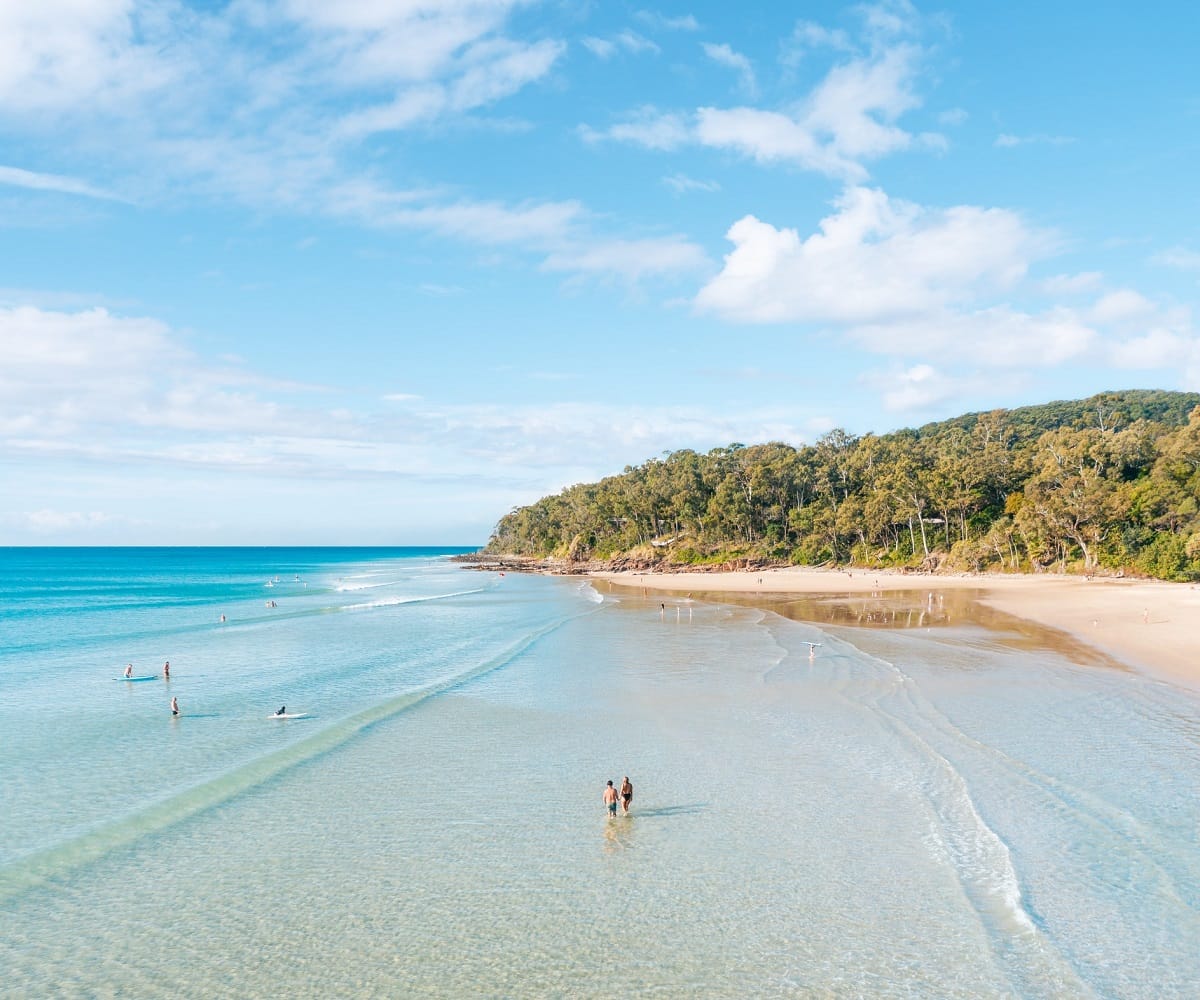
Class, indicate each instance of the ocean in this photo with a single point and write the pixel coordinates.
(949, 806)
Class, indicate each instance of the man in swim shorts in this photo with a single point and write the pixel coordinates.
(610, 799)
(174, 706)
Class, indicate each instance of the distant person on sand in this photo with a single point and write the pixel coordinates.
(167, 670)
(174, 706)
(129, 672)
(610, 799)
(626, 793)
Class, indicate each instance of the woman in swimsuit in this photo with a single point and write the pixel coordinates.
(626, 793)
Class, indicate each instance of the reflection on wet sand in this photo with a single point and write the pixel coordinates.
(928, 609)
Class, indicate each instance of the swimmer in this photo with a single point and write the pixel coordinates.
(129, 672)
(610, 799)
(174, 706)
(167, 670)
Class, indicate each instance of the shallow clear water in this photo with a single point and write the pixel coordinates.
(907, 813)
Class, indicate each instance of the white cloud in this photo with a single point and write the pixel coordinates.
(917, 388)
(17, 177)
(56, 522)
(631, 41)
(874, 259)
(809, 34)
(856, 104)
(601, 48)
(648, 127)
(63, 54)
(1122, 306)
(489, 72)
(631, 259)
(1072, 284)
(1180, 258)
(1008, 141)
(769, 137)
(952, 116)
(723, 55)
(683, 22)
(682, 184)
(627, 41)
(994, 337)
(1158, 348)
(115, 392)
(848, 118)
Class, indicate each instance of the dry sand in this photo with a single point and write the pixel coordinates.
(1152, 626)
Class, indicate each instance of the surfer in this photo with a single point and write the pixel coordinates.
(129, 672)
(626, 793)
(167, 670)
(610, 799)
(174, 706)
(282, 710)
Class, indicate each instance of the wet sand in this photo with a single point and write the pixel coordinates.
(1150, 626)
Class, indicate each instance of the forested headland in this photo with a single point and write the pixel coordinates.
(1105, 484)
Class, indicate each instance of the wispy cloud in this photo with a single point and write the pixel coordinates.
(682, 184)
(723, 55)
(17, 177)
(952, 117)
(683, 22)
(1072, 284)
(849, 118)
(647, 127)
(1008, 141)
(110, 390)
(1179, 258)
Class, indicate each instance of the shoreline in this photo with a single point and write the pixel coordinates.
(1149, 625)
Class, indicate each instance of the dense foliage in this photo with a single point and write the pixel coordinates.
(1112, 481)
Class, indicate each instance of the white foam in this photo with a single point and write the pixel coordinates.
(590, 592)
(391, 602)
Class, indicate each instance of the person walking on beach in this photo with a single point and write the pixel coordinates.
(626, 793)
(174, 706)
(610, 799)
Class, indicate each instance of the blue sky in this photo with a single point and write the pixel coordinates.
(287, 271)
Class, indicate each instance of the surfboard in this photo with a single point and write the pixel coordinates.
(290, 715)
(153, 677)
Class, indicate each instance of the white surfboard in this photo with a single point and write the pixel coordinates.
(289, 715)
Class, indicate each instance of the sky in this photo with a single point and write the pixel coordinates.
(379, 271)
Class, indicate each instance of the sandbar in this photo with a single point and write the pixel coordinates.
(1150, 625)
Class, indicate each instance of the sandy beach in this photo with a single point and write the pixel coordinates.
(1150, 625)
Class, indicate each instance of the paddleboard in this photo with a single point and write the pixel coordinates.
(132, 679)
(290, 715)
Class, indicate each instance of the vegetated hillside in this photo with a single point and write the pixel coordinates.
(1108, 482)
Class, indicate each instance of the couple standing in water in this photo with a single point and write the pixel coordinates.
(612, 796)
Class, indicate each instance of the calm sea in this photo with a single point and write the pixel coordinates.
(945, 810)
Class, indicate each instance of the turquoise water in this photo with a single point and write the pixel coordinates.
(923, 812)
